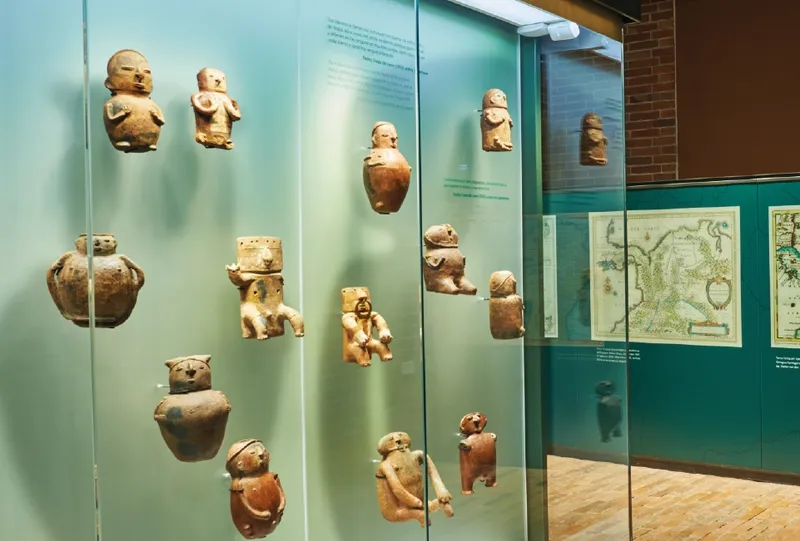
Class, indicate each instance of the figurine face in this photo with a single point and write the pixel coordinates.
(104, 245)
(473, 423)
(592, 121)
(396, 441)
(384, 135)
(212, 80)
(441, 236)
(502, 284)
(128, 71)
(363, 306)
(189, 374)
(495, 98)
(251, 460)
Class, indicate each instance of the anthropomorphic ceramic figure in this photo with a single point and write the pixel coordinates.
(192, 418)
(443, 264)
(609, 411)
(214, 111)
(401, 485)
(358, 321)
(257, 497)
(117, 281)
(505, 307)
(257, 274)
(133, 121)
(593, 142)
(478, 453)
(496, 122)
(386, 172)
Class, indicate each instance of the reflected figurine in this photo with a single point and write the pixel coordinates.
(593, 142)
(257, 498)
(386, 172)
(443, 263)
(117, 281)
(505, 307)
(133, 121)
(401, 485)
(257, 274)
(358, 320)
(478, 453)
(496, 122)
(214, 111)
(192, 418)
(609, 411)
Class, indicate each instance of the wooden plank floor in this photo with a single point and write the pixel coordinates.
(588, 501)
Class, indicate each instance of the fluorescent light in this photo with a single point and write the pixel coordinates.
(514, 12)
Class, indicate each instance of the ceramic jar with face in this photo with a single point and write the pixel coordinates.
(505, 307)
(478, 453)
(496, 122)
(443, 264)
(117, 281)
(133, 121)
(193, 417)
(386, 172)
(214, 111)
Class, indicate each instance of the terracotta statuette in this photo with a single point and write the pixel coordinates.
(387, 174)
(214, 111)
(257, 274)
(358, 320)
(117, 281)
(593, 142)
(609, 411)
(505, 307)
(133, 121)
(192, 418)
(478, 452)
(443, 263)
(401, 486)
(496, 122)
(257, 498)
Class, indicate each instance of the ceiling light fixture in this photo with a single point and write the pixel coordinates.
(513, 12)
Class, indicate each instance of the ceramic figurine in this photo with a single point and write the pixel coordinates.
(192, 418)
(401, 486)
(358, 320)
(133, 121)
(387, 174)
(496, 122)
(117, 281)
(478, 452)
(257, 498)
(505, 307)
(443, 263)
(593, 142)
(609, 411)
(214, 111)
(257, 274)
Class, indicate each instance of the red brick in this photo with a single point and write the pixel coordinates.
(664, 96)
(642, 45)
(661, 69)
(638, 38)
(643, 80)
(664, 176)
(641, 89)
(669, 167)
(663, 122)
(635, 170)
(639, 151)
(639, 143)
(664, 104)
(639, 55)
(640, 125)
(671, 149)
(645, 62)
(667, 42)
(639, 108)
(644, 160)
(667, 113)
(641, 28)
(647, 115)
(649, 132)
(664, 87)
(662, 33)
(631, 73)
(665, 159)
(660, 16)
(663, 141)
(639, 179)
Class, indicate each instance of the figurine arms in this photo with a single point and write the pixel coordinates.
(208, 110)
(239, 278)
(233, 110)
(52, 273)
(442, 494)
(282, 504)
(493, 118)
(404, 496)
(115, 110)
(135, 268)
(350, 324)
(434, 262)
(384, 333)
(266, 514)
(158, 116)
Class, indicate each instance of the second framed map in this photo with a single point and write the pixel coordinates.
(684, 283)
(784, 276)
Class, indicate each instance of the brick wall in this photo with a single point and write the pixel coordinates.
(650, 102)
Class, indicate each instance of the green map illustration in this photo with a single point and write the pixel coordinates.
(785, 276)
(683, 276)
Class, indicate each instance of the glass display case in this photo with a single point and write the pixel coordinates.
(337, 208)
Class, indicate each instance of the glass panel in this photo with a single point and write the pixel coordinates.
(46, 487)
(585, 287)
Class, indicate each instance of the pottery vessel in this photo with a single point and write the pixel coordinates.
(257, 497)
(478, 453)
(401, 482)
(133, 121)
(117, 281)
(593, 142)
(214, 111)
(505, 307)
(257, 275)
(443, 264)
(358, 322)
(496, 122)
(387, 174)
(192, 418)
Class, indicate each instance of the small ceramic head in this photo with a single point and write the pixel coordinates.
(502, 284)
(356, 299)
(604, 388)
(102, 244)
(592, 121)
(495, 98)
(247, 457)
(396, 441)
(128, 71)
(384, 135)
(473, 423)
(260, 254)
(212, 80)
(189, 374)
(441, 236)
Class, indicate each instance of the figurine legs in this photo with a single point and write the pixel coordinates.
(465, 287)
(447, 287)
(498, 143)
(228, 144)
(491, 477)
(466, 485)
(375, 347)
(122, 145)
(354, 352)
(294, 317)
